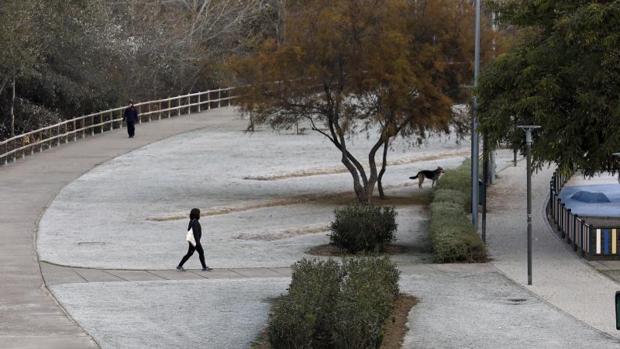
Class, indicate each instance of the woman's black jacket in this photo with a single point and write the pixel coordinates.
(194, 224)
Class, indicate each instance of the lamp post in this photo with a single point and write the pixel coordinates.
(474, 126)
(528, 142)
(617, 156)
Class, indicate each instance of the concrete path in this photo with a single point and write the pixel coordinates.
(475, 306)
(29, 316)
(559, 276)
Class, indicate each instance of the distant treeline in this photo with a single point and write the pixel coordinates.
(60, 59)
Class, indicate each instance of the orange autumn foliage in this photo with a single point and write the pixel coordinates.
(390, 67)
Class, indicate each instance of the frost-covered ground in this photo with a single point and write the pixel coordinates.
(216, 314)
(268, 198)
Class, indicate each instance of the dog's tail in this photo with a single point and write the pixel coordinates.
(414, 177)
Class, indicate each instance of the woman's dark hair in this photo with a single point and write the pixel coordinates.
(194, 214)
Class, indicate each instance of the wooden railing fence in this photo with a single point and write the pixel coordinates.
(88, 125)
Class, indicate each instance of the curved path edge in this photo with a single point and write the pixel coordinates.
(30, 316)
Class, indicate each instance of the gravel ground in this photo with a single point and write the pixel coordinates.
(215, 314)
(130, 212)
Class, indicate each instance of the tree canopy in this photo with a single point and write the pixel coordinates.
(387, 67)
(564, 74)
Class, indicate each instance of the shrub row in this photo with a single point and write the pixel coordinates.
(332, 305)
(452, 234)
(363, 228)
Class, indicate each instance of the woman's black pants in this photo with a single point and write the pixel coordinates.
(190, 252)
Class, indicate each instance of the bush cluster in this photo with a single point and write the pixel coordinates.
(332, 305)
(452, 234)
(363, 228)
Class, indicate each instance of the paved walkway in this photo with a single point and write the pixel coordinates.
(29, 315)
(559, 276)
(56, 275)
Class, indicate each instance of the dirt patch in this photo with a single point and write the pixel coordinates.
(394, 329)
(262, 341)
(329, 250)
(284, 234)
(339, 169)
(422, 197)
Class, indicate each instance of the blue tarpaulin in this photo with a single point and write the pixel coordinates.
(589, 200)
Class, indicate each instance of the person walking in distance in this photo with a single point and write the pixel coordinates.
(194, 225)
(131, 118)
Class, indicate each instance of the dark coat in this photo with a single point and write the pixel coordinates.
(195, 225)
(131, 115)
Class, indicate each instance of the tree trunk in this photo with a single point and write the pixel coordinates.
(383, 167)
(369, 187)
(13, 109)
(360, 190)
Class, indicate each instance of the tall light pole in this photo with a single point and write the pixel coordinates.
(528, 142)
(617, 156)
(474, 126)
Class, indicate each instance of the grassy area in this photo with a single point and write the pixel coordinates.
(452, 234)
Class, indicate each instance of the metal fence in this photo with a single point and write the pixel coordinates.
(590, 240)
(88, 125)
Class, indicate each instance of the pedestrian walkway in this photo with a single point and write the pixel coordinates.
(29, 316)
(560, 277)
(55, 274)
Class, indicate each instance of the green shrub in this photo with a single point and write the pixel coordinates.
(335, 306)
(458, 179)
(366, 301)
(452, 235)
(304, 316)
(451, 196)
(363, 228)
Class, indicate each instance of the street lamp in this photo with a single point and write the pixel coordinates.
(617, 155)
(474, 126)
(528, 142)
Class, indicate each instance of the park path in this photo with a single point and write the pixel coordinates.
(29, 316)
(559, 276)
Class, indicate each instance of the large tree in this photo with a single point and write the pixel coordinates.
(344, 66)
(563, 75)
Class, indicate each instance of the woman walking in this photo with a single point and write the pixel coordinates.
(194, 224)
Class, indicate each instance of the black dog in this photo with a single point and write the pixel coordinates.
(432, 175)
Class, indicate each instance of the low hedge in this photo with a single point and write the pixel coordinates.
(452, 235)
(332, 305)
(365, 228)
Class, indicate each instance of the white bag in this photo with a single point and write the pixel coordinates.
(190, 237)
